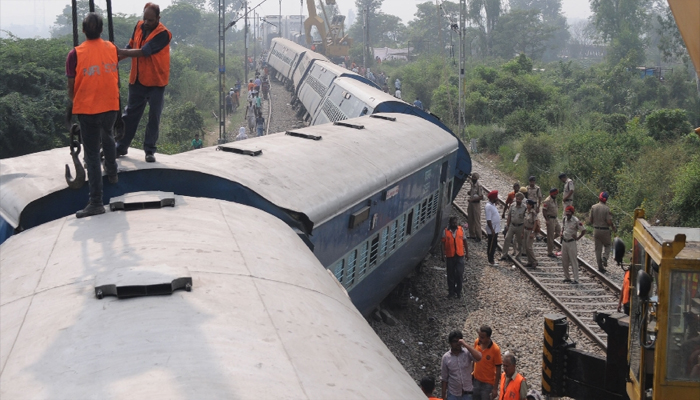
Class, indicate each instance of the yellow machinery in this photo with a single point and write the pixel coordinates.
(334, 41)
(664, 322)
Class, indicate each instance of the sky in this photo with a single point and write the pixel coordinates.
(30, 18)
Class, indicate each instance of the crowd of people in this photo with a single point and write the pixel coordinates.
(478, 371)
(522, 223)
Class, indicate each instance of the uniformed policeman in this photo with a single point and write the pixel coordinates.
(530, 227)
(570, 226)
(568, 197)
(600, 218)
(514, 226)
(511, 198)
(534, 193)
(476, 195)
(550, 212)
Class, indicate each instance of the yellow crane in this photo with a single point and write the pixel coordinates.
(687, 15)
(334, 41)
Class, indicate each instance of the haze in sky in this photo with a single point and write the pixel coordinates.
(31, 18)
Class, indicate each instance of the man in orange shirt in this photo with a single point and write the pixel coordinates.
(624, 302)
(427, 385)
(93, 90)
(488, 369)
(149, 48)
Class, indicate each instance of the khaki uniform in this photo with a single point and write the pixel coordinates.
(599, 217)
(515, 229)
(570, 230)
(528, 239)
(568, 188)
(550, 212)
(474, 211)
(535, 194)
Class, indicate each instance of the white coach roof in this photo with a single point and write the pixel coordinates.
(263, 320)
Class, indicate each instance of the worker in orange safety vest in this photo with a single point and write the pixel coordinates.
(513, 385)
(455, 251)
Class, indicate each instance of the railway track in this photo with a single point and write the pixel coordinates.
(594, 292)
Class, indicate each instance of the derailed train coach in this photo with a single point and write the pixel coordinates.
(330, 93)
(200, 299)
(367, 195)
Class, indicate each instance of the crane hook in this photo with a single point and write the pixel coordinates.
(79, 180)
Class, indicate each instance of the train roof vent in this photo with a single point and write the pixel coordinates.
(303, 135)
(349, 125)
(252, 153)
(142, 201)
(393, 119)
(152, 280)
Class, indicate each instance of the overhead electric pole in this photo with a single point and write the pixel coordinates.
(245, 39)
(462, 55)
(222, 71)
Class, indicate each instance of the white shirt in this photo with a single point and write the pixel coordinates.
(493, 216)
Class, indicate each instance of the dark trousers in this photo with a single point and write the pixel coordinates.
(139, 96)
(492, 241)
(97, 131)
(455, 272)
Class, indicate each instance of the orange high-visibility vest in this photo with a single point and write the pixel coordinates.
(626, 288)
(153, 70)
(452, 245)
(512, 392)
(96, 87)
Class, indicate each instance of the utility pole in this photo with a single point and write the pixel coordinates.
(222, 71)
(365, 36)
(462, 55)
(280, 28)
(255, 36)
(245, 39)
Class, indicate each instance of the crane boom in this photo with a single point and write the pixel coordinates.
(334, 42)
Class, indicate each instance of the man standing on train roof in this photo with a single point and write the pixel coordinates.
(600, 218)
(534, 193)
(456, 368)
(510, 198)
(455, 251)
(475, 196)
(93, 92)
(149, 50)
(513, 385)
(570, 227)
(550, 212)
(493, 226)
(418, 103)
(487, 372)
(530, 228)
(568, 197)
(514, 226)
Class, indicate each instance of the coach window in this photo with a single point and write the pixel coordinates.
(374, 252)
(409, 222)
(362, 264)
(350, 271)
(338, 270)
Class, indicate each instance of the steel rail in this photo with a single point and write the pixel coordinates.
(586, 328)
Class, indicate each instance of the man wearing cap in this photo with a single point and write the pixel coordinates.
(476, 195)
(570, 227)
(568, 198)
(455, 250)
(550, 213)
(534, 193)
(511, 198)
(514, 226)
(532, 224)
(493, 225)
(600, 218)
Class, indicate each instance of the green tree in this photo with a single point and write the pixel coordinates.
(667, 124)
(183, 20)
(484, 15)
(430, 30)
(622, 24)
(521, 31)
(553, 19)
(64, 21)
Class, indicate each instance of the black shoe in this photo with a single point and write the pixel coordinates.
(449, 296)
(121, 153)
(551, 256)
(91, 209)
(602, 270)
(459, 296)
(113, 179)
(504, 258)
(477, 240)
(567, 280)
(574, 282)
(150, 157)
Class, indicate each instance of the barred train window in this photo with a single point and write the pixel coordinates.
(350, 272)
(394, 231)
(362, 264)
(384, 243)
(338, 270)
(374, 252)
